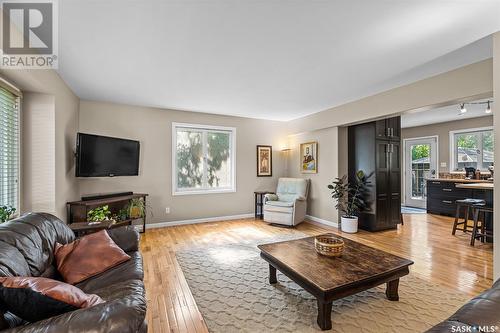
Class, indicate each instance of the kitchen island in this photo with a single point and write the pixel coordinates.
(443, 193)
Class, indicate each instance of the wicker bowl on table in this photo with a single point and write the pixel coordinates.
(329, 245)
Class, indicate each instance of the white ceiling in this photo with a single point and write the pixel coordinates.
(444, 114)
(274, 59)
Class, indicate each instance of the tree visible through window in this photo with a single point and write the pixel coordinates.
(473, 149)
(204, 159)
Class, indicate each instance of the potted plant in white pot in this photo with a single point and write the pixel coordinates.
(350, 198)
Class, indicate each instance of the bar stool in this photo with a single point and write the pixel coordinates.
(467, 205)
(476, 210)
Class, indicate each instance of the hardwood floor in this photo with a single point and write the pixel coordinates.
(426, 239)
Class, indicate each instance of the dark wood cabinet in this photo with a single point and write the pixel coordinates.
(375, 148)
(389, 128)
(442, 195)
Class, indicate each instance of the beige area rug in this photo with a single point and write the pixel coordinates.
(230, 286)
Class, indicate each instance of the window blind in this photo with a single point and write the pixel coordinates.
(9, 148)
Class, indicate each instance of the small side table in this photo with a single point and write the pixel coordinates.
(85, 228)
(259, 203)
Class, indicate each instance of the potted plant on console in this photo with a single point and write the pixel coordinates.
(6, 213)
(350, 199)
(99, 214)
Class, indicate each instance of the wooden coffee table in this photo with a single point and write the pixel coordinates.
(359, 268)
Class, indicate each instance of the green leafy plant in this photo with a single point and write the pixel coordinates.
(122, 214)
(350, 196)
(99, 214)
(6, 212)
(191, 159)
(137, 208)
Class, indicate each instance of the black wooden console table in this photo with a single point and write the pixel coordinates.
(77, 210)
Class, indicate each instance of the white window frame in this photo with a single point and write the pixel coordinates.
(16, 91)
(175, 190)
(453, 162)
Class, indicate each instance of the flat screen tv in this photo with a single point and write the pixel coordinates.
(104, 156)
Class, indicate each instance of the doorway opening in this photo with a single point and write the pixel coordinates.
(421, 158)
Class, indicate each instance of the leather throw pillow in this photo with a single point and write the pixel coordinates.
(88, 256)
(37, 298)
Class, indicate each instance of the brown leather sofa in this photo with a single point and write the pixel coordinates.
(26, 249)
(480, 314)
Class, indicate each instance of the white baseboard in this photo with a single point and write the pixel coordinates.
(201, 220)
(325, 222)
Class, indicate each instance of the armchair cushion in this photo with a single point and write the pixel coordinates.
(289, 189)
(280, 203)
(271, 197)
(290, 202)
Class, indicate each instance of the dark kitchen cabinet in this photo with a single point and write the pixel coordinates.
(442, 195)
(375, 148)
(389, 129)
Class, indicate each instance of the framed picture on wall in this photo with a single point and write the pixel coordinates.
(264, 161)
(309, 157)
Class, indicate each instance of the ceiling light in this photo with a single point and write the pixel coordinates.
(462, 108)
(488, 108)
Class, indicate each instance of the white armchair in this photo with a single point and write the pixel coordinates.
(288, 206)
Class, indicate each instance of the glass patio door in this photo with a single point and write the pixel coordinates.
(420, 164)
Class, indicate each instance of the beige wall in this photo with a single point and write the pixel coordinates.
(38, 153)
(442, 130)
(48, 82)
(152, 127)
(496, 124)
(466, 83)
(320, 204)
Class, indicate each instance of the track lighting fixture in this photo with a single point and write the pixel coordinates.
(488, 108)
(462, 108)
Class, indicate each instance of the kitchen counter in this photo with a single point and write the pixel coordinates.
(477, 186)
(442, 194)
(460, 180)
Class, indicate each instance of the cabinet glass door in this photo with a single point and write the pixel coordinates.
(420, 164)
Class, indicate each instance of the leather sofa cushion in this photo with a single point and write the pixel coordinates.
(123, 312)
(34, 236)
(36, 298)
(129, 270)
(88, 256)
(450, 326)
(126, 237)
(480, 311)
(12, 262)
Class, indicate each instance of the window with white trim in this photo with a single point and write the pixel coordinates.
(9, 149)
(473, 149)
(203, 159)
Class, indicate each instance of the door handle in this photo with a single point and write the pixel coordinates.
(447, 189)
(387, 154)
(447, 201)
